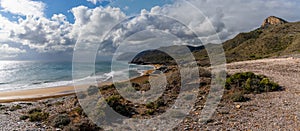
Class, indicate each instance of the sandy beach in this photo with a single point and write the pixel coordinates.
(36, 94)
(52, 92)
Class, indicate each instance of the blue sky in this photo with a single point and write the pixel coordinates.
(47, 29)
(130, 7)
(64, 7)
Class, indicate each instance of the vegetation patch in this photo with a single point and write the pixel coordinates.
(116, 102)
(24, 117)
(15, 107)
(246, 83)
(92, 90)
(36, 114)
(61, 120)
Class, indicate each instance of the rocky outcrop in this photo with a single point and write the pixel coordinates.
(273, 20)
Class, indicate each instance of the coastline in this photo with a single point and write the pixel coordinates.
(36, 94)
(32, 95)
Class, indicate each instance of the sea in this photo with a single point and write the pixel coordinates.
(23, 75)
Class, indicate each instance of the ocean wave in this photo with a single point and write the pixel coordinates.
(64, 80)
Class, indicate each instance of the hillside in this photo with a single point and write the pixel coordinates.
(276, 37)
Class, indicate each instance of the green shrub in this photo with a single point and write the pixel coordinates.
(150, 112)
(2, 107)
(92, 90)
(150, 105)
(16, 107)
(156, 104)
(146, 82)
(34, 110)
(78, 110)
(38, 116)
(61, 120)
(24, 117)
(81, 95)
(115, 102)
(248, 82)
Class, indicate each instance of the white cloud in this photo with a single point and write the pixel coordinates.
(223, 19)
(96, 1)
(93, 24)
(23, 7)
(9, 52)
(56, 34)
(44, 35)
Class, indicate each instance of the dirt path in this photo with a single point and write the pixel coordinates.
(276, 110)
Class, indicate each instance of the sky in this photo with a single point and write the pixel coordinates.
(52, 30)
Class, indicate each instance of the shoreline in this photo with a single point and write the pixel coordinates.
(32, 95)
(36, 94)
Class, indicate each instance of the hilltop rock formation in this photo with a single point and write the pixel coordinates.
(273, 20)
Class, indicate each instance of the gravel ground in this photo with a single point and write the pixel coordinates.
(267, 111)
(275, 110)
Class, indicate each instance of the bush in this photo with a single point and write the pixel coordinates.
(149, 112)
(156, 104)
(78, 110)
(150, 105)
(34, 110)
(115, 102)
(92, 90)
(250, 83)
(61, 120)
(38, 116)
(24, 117)
(16, 107)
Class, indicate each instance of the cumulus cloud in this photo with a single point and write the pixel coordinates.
(9, 52)
(211, 21)
(189, 20)
(23, 7)
(93, 24)
(239, 15)
(96, 1)
(42, 34)
(34, 30)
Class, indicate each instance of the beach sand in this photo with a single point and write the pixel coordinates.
(51, 92)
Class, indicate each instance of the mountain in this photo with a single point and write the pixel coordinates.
(276, 37)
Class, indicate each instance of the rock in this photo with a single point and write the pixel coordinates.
(238, 106)
(273, 20)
